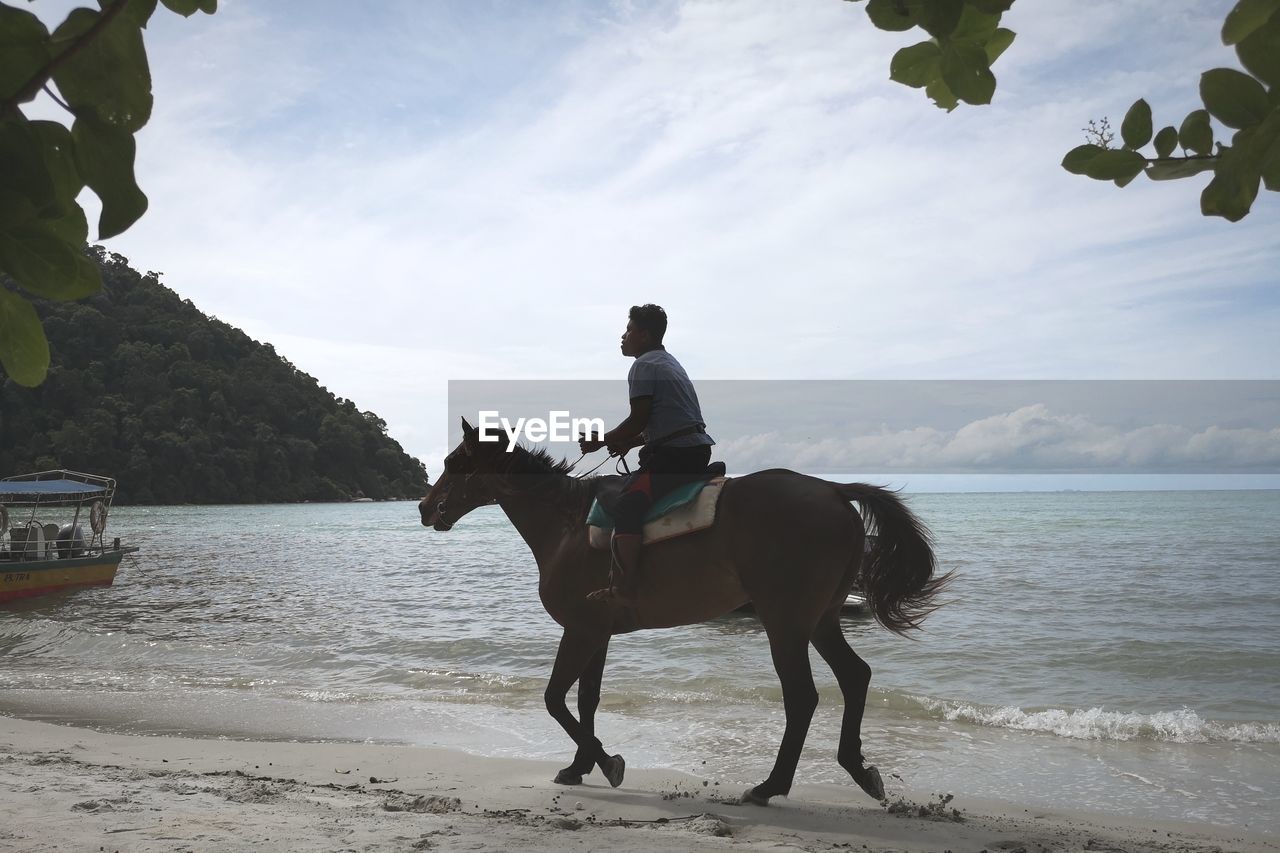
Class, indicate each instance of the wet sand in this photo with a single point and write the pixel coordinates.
(65, 788)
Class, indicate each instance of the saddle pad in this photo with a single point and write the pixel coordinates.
(677, 497)
(696, 511)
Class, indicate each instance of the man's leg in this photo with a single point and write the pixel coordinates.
(629, 516)
(663, 470)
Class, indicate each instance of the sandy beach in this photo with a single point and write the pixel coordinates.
(67, 788)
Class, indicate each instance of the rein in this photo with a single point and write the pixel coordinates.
(620, 467)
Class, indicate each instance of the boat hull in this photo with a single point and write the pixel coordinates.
(25, 578)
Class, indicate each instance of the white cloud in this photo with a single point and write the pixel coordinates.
(1030, 438)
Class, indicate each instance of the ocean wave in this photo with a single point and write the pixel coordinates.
(1182, 726)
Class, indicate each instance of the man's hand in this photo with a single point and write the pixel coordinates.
(589, 445)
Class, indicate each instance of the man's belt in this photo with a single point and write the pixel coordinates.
(680, 433)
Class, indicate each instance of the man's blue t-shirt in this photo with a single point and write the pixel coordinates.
(657, 374)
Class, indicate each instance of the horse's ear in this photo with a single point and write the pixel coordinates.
(469, 437)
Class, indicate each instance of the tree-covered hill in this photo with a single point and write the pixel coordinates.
(180, 407)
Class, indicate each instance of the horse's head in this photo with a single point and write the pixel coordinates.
(466, 482)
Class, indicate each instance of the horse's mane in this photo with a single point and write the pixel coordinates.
(539, 461)
(536, 470)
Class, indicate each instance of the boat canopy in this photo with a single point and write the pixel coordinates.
(54, 485)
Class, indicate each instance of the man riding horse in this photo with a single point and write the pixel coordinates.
(791, 544)
(666, 423)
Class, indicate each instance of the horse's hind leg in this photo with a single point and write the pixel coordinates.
(588, 701)
(799, 698)
(575, 654)
(854, 676)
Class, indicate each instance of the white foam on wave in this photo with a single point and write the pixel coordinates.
(1184, 726)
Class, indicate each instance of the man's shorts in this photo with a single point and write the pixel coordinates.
(661, 470)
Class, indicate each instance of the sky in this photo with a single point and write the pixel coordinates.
(400, 194)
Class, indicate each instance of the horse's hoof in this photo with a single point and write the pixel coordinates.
(753, 798)
(613, 769)
(868, 779)
(568, 777)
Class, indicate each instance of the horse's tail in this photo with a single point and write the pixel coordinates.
(898, 573)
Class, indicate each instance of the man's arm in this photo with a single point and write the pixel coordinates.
(627, 434)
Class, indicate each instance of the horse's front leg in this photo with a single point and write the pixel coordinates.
(588, 701)
(577, 651)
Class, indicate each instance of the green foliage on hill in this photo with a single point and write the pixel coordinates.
(182, 408)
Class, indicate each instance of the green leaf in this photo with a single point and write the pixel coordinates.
(187, 8)
(891, 15)
(1260, 148)
(104, 154)
(22, 163)
(1234, 187)
(59, 163)
(24, 50)
(18, 213)
(941, 96)
(967, 73)
(1078, 158)
(1115, 164)
(1246, 17)
(1135, 130)
(1172, 170)
(975, 25)
(1260, 54)
(1266, 151)
(991, 7)
(1269, 166)
(998, 44)
(44, 264)
(917, 65)
(108, 75)
(1233, 97)
(15, 209)
(24, 350)
(71, 227)
(940, 17)
(137, 11)
(1196, 134)
(1166, 141)
(1126, 179)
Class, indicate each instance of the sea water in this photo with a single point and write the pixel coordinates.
(1112, 651)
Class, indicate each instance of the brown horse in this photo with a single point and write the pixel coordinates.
(790, 544)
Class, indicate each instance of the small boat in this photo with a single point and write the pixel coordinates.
(43, 547)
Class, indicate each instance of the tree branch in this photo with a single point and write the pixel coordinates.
(58, 100)
(1185, 159)
(41, 77)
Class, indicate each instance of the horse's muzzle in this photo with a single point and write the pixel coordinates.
(434, 516)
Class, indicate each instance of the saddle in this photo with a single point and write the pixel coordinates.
(685, 509)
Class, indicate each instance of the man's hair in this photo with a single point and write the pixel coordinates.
(651, 318)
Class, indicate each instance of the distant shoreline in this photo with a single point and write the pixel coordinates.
(833, 477)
